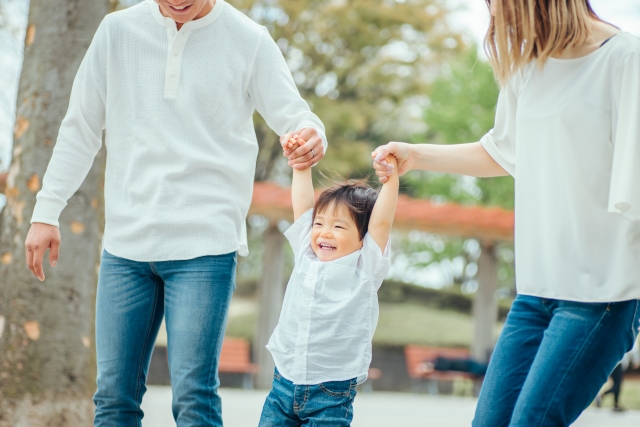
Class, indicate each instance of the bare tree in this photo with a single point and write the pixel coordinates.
(47, 356)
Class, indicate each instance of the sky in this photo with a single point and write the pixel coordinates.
(472, 18)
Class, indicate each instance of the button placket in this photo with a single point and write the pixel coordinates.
(307, 290)
(176, 44)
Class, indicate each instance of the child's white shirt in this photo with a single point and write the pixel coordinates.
(330, 311)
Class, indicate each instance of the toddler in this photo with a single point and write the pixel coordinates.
(322, 343)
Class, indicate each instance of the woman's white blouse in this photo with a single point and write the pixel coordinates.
(330, 311)
(569, 133)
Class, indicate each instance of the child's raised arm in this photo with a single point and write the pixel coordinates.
(302, 197)
(385, 208)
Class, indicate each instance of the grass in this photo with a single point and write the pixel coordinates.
(399, 324)
(629, 396)
(402, 324)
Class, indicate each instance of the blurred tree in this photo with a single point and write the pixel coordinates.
(47, 357)
(461, 109)
(363, 65)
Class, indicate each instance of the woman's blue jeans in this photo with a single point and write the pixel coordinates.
(551, 360)
(194, 296)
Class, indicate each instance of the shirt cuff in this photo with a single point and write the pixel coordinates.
(298, 230)
(48, 211)
(310, 124)
(489, 143)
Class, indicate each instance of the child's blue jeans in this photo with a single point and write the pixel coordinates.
(325, 404)
(551, 360)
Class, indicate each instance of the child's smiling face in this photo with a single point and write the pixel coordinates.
(334, 234)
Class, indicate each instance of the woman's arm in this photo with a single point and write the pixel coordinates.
(385, 208)
(464, 159)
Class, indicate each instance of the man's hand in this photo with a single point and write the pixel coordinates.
(401, 152)
(40, 238)
(307, 154)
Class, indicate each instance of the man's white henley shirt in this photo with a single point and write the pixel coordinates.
(177, 108)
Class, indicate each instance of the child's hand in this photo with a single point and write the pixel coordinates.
(390, 162)
(290, 142)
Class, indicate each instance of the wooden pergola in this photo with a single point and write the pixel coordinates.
(488, 225)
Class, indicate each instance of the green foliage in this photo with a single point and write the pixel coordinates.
(363, 66)
(454, 258)
(462, 109)
(442, 299)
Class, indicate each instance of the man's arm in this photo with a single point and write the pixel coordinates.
(278, 100)
(79, 139)
(385, 208)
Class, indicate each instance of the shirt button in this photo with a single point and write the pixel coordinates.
(176, 53)
(307, 302)
(173, 75)
(301, 351)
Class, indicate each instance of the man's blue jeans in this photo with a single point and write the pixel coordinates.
(194, 297)
(551, 360)
(319, 405)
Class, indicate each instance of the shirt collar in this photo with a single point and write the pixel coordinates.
(349, 260)
(209, 18)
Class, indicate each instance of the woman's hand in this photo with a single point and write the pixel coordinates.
(402, 153)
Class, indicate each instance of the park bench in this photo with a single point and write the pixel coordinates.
(415, 355)
(235, 358)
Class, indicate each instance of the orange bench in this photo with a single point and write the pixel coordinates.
(235, 358)
(415, 355)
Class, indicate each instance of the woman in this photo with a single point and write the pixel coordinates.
(568, 129)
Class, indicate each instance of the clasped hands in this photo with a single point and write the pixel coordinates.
(304, 148)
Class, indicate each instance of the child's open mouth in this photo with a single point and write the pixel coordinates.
(325, 247)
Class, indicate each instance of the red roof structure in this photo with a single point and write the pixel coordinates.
(486, 224)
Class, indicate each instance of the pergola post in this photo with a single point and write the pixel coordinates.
(485, 305)
(271, 289)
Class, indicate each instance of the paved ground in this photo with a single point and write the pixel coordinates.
(242, 409)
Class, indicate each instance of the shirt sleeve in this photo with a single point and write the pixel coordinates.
(275, 94)
(375, 263)
(80, 134)
(299, 234)
(500, 141)
(624, 194)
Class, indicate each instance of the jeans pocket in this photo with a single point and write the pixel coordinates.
(336, 388)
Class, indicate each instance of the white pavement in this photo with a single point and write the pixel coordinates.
(241, 408)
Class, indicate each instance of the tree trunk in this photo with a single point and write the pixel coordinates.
(271, 288)
(485, 304)
(47, 353)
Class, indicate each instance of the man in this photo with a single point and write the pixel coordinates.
(174, 84)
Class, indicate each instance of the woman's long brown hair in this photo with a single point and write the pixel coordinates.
(534, 30)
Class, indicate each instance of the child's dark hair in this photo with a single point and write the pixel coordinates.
(357, 196)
